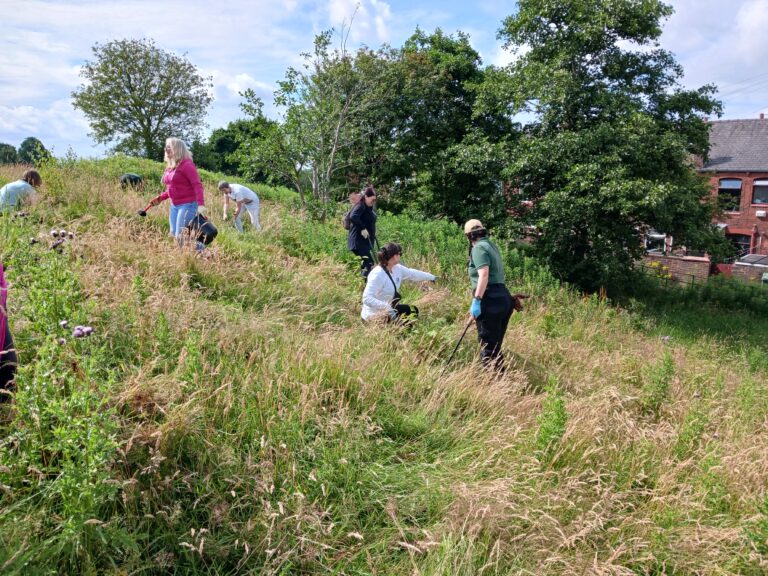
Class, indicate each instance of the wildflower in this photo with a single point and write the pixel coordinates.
(33, 241)
(82, 331)
(63, 233)
(64, 323)
(665, 338)
(55, 233)
(61, 341)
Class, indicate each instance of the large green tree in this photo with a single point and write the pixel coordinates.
(329, 106)
(431, 148)
(220, 152)
(32, 151)
(8, 154)
(607, 152)
(136, 95)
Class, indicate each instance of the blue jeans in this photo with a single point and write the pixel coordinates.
(179, 217)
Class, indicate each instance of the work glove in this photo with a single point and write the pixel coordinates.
(392, 314)
(474, 309)
(203, 211)
(364, 233)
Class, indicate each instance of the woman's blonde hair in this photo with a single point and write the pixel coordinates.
(180, 152)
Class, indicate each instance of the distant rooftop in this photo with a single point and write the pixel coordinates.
(738, 146)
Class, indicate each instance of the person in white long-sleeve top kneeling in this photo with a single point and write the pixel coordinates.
(381, 297)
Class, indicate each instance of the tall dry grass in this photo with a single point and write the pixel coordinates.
(263, 428)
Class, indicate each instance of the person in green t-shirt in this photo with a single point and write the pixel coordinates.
(492, 304)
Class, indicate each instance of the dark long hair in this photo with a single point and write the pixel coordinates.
(367, 193)
(387, 251)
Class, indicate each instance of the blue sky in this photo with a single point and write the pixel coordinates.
(249, 44)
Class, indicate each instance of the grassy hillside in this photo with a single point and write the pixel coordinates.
(234, 415)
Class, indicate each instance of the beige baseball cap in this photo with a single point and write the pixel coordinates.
(473, 225)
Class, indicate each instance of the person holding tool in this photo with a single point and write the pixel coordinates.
(183, 187)
(362, 232)
(492, 304)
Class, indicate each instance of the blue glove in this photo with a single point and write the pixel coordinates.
(392, 314)
(475, 308)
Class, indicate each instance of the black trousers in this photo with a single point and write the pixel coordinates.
(8, 363)
(495, 311)
(406, 314)
(366, 265)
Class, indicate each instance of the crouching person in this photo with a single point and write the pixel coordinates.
(381, 297)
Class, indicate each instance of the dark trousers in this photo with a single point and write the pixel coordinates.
(8, 363)
(406, 314)
(366, 264)
(495, 312)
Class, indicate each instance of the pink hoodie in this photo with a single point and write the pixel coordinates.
(3, 302)
(183, 185)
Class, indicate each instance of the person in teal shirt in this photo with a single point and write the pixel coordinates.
(16, 194)
(492, 304)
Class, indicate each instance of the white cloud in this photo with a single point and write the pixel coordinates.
(369, 20)
(723, 43)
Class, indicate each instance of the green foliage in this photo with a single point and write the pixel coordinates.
(656, 388)
(221, 153)
(552, 420)
(233, 415)
(32, 151)
(136, 95)
(608, 149)
(8, 154)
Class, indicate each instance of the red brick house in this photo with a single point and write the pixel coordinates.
(738, 171)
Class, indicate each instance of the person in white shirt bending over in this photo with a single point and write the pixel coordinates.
(381, 297)
(244, 198)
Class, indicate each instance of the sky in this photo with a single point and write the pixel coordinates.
(250, 44)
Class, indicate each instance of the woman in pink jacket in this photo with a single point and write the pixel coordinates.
(8, 359)
(182, 186)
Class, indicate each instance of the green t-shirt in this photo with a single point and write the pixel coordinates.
(485, 253)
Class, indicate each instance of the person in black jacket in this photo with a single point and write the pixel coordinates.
(362, 233)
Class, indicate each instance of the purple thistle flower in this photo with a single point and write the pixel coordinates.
(64, 323)
(55, 233)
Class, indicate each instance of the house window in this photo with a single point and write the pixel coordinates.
(742, 243)
(729, 194)
(760, 192)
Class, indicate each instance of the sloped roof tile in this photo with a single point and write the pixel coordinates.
(738, 146)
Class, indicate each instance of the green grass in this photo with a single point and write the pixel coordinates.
(235, 416)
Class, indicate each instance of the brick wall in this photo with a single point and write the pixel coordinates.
(748, 273)
(745, 220)
(683, 269)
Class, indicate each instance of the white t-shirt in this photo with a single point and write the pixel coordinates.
(379, 292)
(240, 193)
(13, 194)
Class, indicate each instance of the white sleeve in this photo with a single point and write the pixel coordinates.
(414, 275)
(373, 291)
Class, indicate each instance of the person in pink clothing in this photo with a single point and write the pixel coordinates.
(184, 188)
(8, 359)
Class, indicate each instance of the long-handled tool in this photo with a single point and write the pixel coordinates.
(469, 323)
